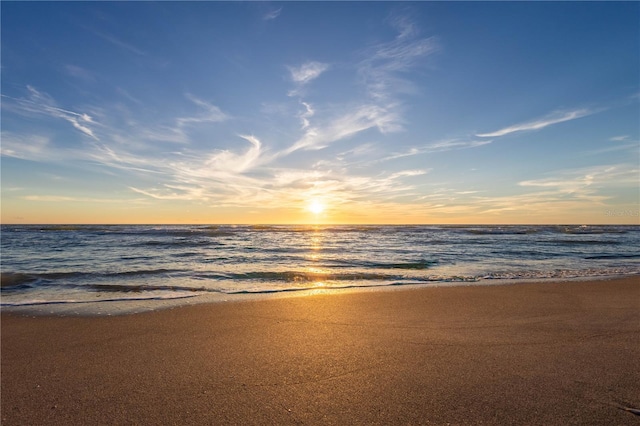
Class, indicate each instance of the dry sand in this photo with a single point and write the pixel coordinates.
(547, 353)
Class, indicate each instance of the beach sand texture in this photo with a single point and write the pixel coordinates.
(540, 354)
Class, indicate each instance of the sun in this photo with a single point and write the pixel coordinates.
(315, 207)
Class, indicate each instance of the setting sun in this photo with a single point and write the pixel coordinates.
(316, 207)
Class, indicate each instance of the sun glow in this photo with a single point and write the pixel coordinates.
(315, 207)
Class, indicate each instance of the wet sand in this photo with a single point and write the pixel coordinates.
(544, 353)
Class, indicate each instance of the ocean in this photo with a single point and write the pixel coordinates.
(112, 269)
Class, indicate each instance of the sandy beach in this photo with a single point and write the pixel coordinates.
(542, 353)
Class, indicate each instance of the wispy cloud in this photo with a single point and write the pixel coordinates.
(573, 193)
(553, 118)
(408, 173)
(619, 138)
(211, 114)
(272, 14)
(441, 146)
(380, 72)
(346, 125)
(66, 199)
(307, 72)
(632, 146)
(585, 181)
(383, 63)
(33, 147)
(119, 43)
(79, 72)
(306, 115)
(454, 144)
(38, 102)
(228, 161)
(178, 132)
(128, 95)
(249, 178)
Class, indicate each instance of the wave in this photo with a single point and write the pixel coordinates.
(190, 231)
(178, 243)
(124, 288)
(318, 228)
(561, 274)
(37, 302)
(614, 256)
(419, 264)
(502, 231)
(171, 292)
(298, 276)
(592, 230)
(68, 228)
(16, 280)
(315, 287)
(544, 229)
(581, 242)
(19, 280)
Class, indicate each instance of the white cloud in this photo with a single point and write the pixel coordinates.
(553, 118)
(42, 103)
(34, 147)
(179, 132)
(79, 72)
(272, 14)
(228, 161)
(304, 117)
(359, 119)
(452, 144)
(408, 173)
(632, 147)
(123, 160)
(307, 72)
(586, 181)
(383, 64)
(446, 145)
(164, 134)
(66, 199)
(574, 192)
(84, 129)
(380, 73)
(619, 138)
(128, 96)
(247, 179)
(117, 42)
(211, 114)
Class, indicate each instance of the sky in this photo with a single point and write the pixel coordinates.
(320, 112)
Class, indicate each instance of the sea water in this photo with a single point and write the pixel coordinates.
(116, 268)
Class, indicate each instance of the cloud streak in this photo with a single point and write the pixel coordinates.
(119, 43)
(553, 118)
(273, 14)
(346, 125)
(34, 147)
(383, 64)
(441, 146)
(307, 72)
(211, 114)
(380, 73)
(227, 161)
(41, 103)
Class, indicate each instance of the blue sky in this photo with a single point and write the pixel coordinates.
(249, 112)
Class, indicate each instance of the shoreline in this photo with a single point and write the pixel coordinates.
(531, 353)
(133, 306)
